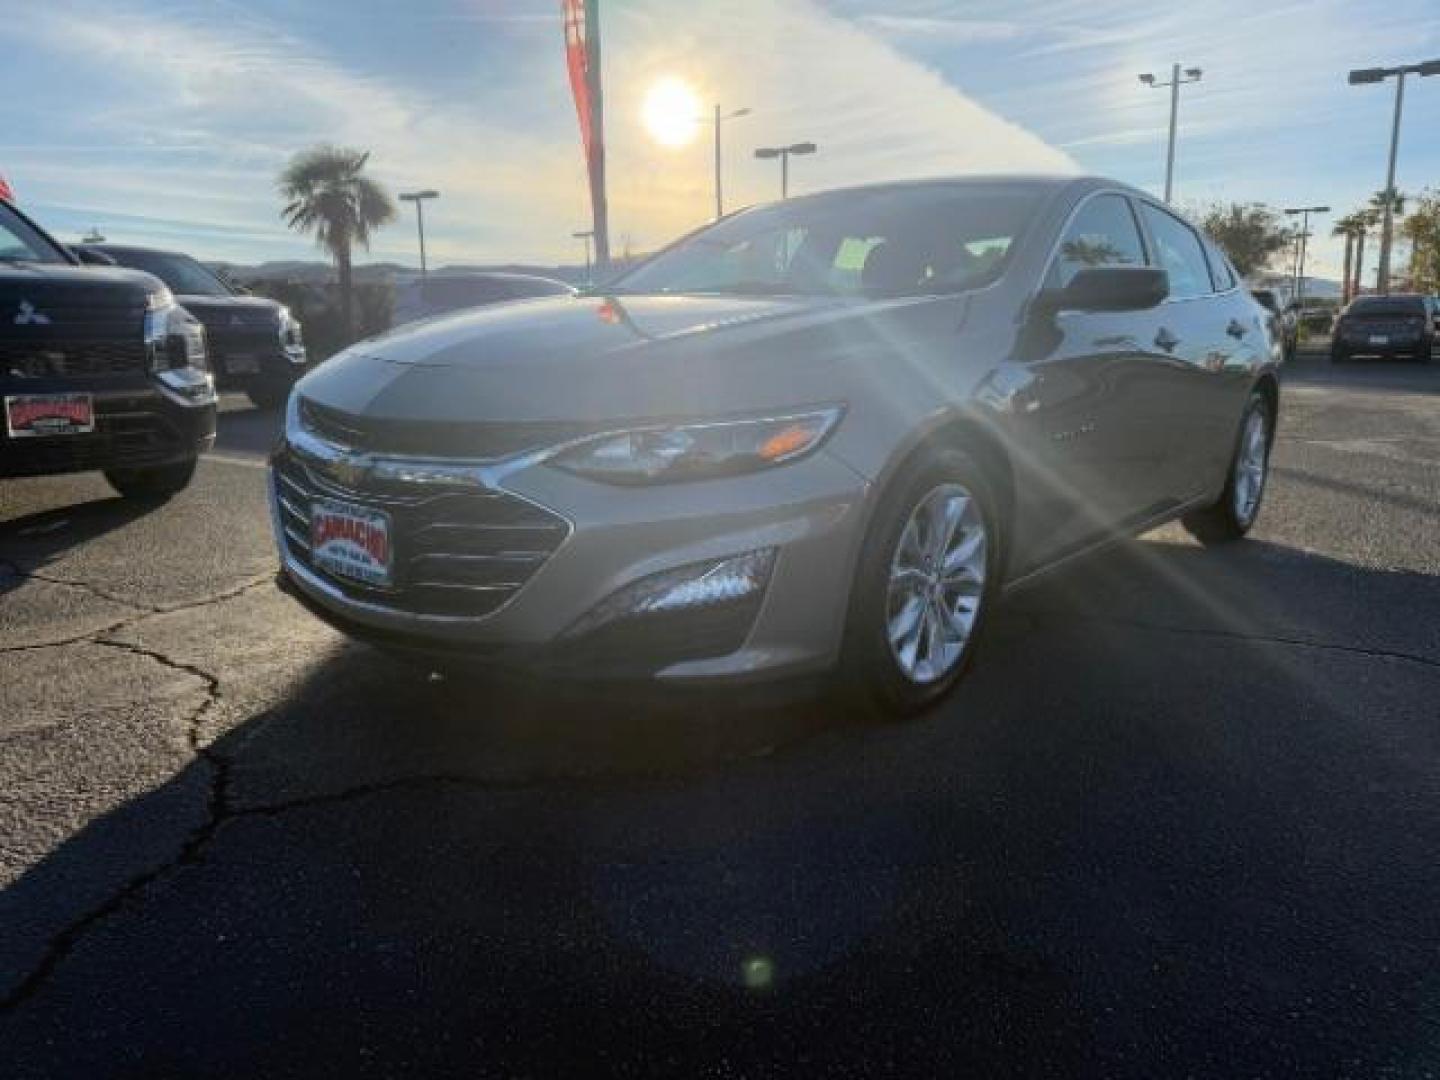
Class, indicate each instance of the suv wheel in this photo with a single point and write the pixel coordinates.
(926, 578)
(1231, 517)
(153, 484)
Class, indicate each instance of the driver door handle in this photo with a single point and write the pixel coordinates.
(1236, 329)
(1166, 340)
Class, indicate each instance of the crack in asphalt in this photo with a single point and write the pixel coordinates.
(217, 804)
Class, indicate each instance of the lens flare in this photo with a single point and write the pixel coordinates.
(671, 112)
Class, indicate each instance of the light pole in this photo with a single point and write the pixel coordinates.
(418, 198)
(719, 120)
(1362, 76)
(586, 235)
(1191, 75)
(1304, 212)
(769, 153)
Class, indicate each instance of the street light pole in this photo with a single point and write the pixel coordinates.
(1362, 76)
(418, 198)
(719, 120)
(768, 153)
(1304, 212)
(1191, 75)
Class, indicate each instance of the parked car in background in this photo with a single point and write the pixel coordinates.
(100, 368)
(429, 295)
(1284, 323)
(256, 345)
(818, 436)
(1400, 325)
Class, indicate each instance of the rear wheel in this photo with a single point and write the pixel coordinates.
(1338, 355)
(1232, 516)
(154, 484)
(926, 577)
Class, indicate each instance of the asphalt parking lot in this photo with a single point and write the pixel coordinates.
(1183, 820)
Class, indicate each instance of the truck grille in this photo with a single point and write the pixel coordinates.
(455, 552)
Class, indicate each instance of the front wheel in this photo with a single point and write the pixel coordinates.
(1232, 516)
(154, 484)
(926, 577)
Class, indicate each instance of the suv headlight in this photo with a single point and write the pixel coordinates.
(291, 341)
(173, 337)
(669, 453)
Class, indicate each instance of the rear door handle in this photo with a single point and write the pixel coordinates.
(1166, 340)
(1236, 329)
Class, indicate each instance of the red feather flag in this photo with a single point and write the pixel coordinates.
(582, 58)
(6, 191)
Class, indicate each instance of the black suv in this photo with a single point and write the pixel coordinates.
(1386, 327)
(255, 344)
(99, 369)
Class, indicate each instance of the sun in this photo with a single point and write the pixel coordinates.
(671, 111)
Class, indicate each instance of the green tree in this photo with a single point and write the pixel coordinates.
(1422, 229)
(328, 193)
(1252, 234)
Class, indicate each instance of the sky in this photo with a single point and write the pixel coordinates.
(166, 121)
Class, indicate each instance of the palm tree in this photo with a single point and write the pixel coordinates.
(1352, 228)
(327, 193)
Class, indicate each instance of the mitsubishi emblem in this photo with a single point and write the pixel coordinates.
(28, 316)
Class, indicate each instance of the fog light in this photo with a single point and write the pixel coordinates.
(686, 588)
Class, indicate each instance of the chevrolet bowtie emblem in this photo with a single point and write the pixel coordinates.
(28, 316)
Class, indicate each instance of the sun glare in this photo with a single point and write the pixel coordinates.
(671, 111)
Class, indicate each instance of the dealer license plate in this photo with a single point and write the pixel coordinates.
(242, 364)
(31, 415)
(1379, 339)
(351, 541)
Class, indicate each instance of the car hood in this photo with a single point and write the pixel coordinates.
(49, 297)
(218, 309)
(595, 358)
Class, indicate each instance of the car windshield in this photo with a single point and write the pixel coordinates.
(20, 243)
(181, 273)
(891, 242)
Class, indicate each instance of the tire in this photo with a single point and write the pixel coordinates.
(155, 484)
(874, 679)
(268, 394)
(1233, 514)
(1338, 355)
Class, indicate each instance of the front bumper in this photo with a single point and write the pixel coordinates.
(809, 512)
(137, 426)
(239, 367)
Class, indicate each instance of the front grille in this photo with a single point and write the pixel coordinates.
(441, 439)
(72, 359)
(454, 551)
(119, 439)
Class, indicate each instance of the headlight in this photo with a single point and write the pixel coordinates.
(173, 337)
(291, 341)
(698, 451)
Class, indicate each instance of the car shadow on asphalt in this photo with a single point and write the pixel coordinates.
(32, 542)
(1153, 830)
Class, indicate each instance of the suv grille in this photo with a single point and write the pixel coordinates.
(456, 439)
(456, 552)
(72, 359)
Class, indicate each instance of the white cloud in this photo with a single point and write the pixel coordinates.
(210, 107)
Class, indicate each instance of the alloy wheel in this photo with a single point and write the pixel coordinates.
(937, 583)
(1250, 466)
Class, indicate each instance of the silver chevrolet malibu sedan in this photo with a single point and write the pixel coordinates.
(821, 437)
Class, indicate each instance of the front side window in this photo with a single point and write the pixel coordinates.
(1178, 251)
(896, 242)
(1103, 233)
(20, 243)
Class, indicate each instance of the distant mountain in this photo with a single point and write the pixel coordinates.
(319, 273)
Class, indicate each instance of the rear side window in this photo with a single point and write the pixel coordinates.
(1177, 247)
(1103, 233)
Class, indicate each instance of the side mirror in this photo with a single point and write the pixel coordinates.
(1108, 288)
(90, 256)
